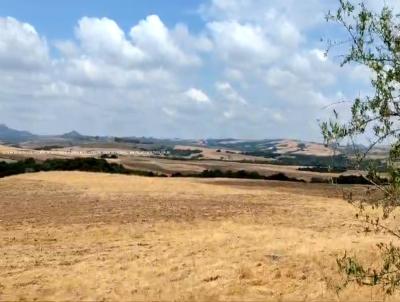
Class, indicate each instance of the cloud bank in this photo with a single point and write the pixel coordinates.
(256, 69)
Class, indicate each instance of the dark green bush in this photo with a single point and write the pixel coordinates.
(283, 177)
(241, 174)
(76, 164)
(322, 169)
(109, 156)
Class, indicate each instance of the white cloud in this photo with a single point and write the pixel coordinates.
(234, 74)
(228, 114)
(104, 39)
(313, 68)
(169, 112)
(90, 72)
(269, 70)
(227, 92)
(21, 47)
(298, 12)
(152, 54)
(104, 56)
(285, 32)
(188, 42)
(102, 80)
(240, 44)
(197, 95)
(275, 115)
(361, 73)
(154, 38)
(67, 48)
(319, 54)
(293, 90)
(56, 90)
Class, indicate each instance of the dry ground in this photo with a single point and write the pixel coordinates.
(169, 166)
(82, 236)
(225, 153)
(197, 166)
(291, 146)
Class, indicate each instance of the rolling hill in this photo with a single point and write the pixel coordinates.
(12, 136)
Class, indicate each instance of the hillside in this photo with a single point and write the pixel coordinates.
(257, 147)
(82, 236)
(278, 152)
(12, 136)
(272, 146)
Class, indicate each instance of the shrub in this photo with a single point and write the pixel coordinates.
(283, 177)
(109, 156)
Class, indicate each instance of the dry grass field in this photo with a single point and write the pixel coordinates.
(211, 161)
(224, 153)
(197, 166)
(82, 236)
(291, 146)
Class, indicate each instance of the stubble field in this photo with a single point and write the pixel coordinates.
(83, 236)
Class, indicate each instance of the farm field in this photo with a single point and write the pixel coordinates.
(197, 166)
(169, 166)
(84, 236)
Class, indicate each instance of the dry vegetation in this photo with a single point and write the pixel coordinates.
(171, 166)
(292, 147)
(221, 153)
(81, 236)
(211, 161)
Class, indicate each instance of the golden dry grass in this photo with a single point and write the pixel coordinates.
(224, 153)
(82, 236)
(292, 147)
(7, 149)
(189, 166)
(169, 166)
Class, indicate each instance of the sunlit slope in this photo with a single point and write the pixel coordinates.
(82, 236)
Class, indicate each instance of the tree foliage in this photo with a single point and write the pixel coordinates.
(373, 41)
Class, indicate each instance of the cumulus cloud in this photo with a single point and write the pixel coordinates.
(103, 55)
(242, 43)
(254, 68)
(104, 39)
(300, 82)
(259, 10)
(93, 73)
(188, 42)
(265, 48)
(154, 38)
(21, 47)
(227, 92)
(197, 95)
(103, 72)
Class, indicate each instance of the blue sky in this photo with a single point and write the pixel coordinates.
(55, 19)
(188, 68)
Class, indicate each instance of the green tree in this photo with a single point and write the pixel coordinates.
(372, 40)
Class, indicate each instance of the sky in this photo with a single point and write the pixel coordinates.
(179, 68)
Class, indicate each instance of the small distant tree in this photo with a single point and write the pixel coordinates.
(372, 40)
(302, 146)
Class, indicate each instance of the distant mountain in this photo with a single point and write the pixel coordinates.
(73, 135)
(13, 136)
